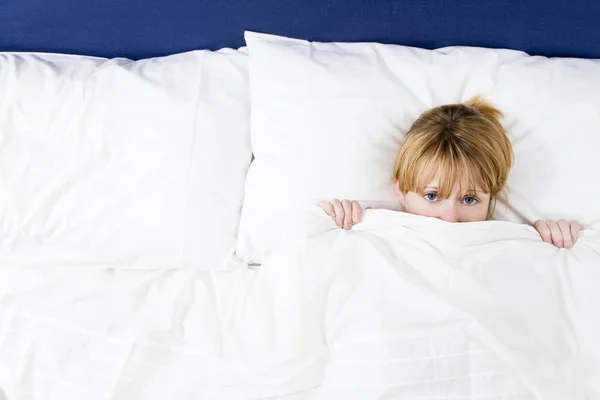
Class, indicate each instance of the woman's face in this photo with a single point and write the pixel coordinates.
(459, 207)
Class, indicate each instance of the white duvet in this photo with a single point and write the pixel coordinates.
(401, 307)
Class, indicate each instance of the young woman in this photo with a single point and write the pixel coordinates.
(453, 165)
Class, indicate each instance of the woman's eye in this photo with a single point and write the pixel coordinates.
(431, 196)
(470, 201)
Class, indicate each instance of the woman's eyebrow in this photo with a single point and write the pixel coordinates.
(431, 187)
(474, 192)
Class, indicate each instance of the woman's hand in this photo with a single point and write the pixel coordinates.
(561, 233)
(345, 213)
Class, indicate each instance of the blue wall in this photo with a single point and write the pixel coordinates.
(144, 28)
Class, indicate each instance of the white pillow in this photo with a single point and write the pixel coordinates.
(120, 163)
(327, 119)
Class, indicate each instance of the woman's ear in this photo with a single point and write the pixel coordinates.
(399, 193)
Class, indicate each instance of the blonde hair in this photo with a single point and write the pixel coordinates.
(462, 143)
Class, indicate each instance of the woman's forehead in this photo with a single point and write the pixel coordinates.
(448, 176)
(455, 184)
(456, 187)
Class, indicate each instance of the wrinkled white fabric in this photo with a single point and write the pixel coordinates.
(113, 334)
(400, 307)
(410, 307)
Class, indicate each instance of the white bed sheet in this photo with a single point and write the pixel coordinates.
(81, 334)
(401, 307)
(409, 307)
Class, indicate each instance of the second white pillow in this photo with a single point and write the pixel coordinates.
(327, 120)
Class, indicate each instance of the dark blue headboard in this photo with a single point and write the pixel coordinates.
(145, 28)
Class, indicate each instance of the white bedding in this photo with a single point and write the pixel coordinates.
(81, 334)
(113, 163)
(328, 118)
(401, 307)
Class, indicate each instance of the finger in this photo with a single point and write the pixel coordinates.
(328, 208)
(356, 212)
(565, 232)
(339, 212)
(557, 238)
(543, 230)
(347, 205)
(575, 228)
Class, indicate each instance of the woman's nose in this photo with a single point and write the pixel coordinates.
(449, 213)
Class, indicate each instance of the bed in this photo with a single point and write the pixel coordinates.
(129, 307)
